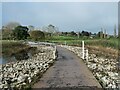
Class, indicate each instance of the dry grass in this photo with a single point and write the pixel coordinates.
(11, 47)
(103, 51)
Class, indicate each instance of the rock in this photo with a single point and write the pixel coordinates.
(104, 69)
(23, 70)
(20, 79)
(29, 79)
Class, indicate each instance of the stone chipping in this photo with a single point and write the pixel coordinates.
(104, 69)
(21, 73)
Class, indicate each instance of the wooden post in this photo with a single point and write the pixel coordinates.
(83, 50)
(87, 55)
(65, 43)
(55, 52)
(55, 48)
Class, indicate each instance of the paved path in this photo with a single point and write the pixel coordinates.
(67, 71)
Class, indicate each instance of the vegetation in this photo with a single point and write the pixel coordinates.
(20, 33)
(108, 42)
(37, 35)
(14, 31)
(50, 29)
(7, 34)
(9, 48)
(11, 25)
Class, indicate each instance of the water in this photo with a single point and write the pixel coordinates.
(0, 60)
(23, 55)
(4, 60)
(17, 57)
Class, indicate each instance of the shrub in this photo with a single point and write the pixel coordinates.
(37, 35)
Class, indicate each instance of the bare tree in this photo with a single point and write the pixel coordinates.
(101, 33)
(104, 33)
(115, 31)
(30, 27)
(11, 25)
(50, 28)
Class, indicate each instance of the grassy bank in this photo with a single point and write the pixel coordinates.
(112, 42)
(101, 47)
(95, 44)
(12, 47)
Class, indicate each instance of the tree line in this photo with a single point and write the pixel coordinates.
(15, 31)
(22, 33)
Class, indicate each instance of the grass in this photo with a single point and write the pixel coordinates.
(112, 42)
(101, 47)
(63, 38)
(12, 47)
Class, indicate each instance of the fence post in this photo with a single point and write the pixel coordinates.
(65, 43)
(83, 50)
(55, 52)
(55, 48)
(87, 55)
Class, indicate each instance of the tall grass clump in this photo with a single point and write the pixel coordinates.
(11, 47)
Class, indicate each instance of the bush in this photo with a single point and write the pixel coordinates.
(37, 35)
(20, 33)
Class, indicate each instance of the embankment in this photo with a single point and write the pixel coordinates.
(24, 73)
(104, 69)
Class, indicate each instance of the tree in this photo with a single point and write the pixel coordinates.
(30, 27)
(115, 31)
(78, 34)
(100, 34)
(72, 33)
(104, 35)
(20, 32)
(50, 29)
(119, 31)
(7, 34)
(37, 35)
(11, 25)
(85, 33)
(64, 33)
(7, 30)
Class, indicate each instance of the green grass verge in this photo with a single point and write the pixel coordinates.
(112, 42)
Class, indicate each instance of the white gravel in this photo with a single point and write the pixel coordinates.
(105, 70)
(17, 74)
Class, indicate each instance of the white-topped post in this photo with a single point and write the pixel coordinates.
(55, 48)
(55, 52)
(83, 53)
(87, 55)
(65, 43)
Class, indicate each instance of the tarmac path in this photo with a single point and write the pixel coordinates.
(67, 71)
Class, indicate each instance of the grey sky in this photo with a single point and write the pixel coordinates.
(60, 0)
(67, 16)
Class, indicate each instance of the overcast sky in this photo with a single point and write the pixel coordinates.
(67, 16)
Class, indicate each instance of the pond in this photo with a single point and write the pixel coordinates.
(4, 60)
(23, 55)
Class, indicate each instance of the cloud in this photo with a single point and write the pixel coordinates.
(0, 15)
(66, 15)
(60, 0)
